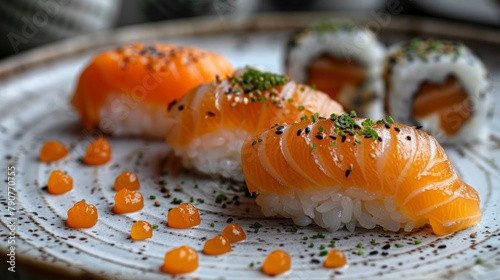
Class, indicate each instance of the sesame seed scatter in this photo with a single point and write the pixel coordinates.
(157, 57)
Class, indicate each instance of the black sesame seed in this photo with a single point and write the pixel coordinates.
(347, 172)
(357, 126)
(254, 142)
(379, 139)
(408, 138)
(315, 261)
(307, 130)
(279, 132)
(343, 138)
(210, 114)
(397, 129)
(386, 247)
(388, 126)
(299, 132)
(368, 136)
(319, 137)
(419, 126)
(229, 220)
(373, 253)
(442, 247)
(333, 137)
(171, 104)
(229, 90)
(281, 127)
(181, 107)
(385, 253)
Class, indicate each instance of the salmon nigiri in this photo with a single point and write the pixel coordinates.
(346, 171)
(208, 125)
(126, 91)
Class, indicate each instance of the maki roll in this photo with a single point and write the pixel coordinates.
(439, 85)
(342, 60)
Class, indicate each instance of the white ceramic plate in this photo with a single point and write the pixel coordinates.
(34, 91)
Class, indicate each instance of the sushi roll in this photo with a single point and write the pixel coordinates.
(208, 125)
(440, 85)
(341, 59)
(349, 172)
(126, 91)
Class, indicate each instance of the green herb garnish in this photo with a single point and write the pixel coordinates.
(256, 226)
(318, 235)
(220, 198)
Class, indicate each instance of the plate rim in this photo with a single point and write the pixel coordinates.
(211, 25)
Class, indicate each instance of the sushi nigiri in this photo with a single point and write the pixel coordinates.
(440, 85)
(208, 125)
(349, 172)
(341, 59)
(125, 91)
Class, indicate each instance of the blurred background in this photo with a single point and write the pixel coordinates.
(26, 24)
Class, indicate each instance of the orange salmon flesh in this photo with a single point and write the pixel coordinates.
(144, 73)
(404, 163)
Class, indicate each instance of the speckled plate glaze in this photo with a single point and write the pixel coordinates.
(34, 91)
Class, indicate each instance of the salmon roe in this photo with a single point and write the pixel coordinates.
(127, 201)
(335, 259)
(82, 215)
(98, 152)
(218, 245)
(183, 259)
(184, 216)
(127, 180)
(234, 233)
(52, 151)
(141, 230)
(276, 263)
(59, 182)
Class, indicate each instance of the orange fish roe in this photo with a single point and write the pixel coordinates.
(52, 151)
(234, 233)
(334, 259)
(59, 182)
(183, 259)
(127, 201)
(127, 180)
(218, 245)
(276, 263)
(141, 230)
(184, 216)
(98, 152)
(82, 215)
